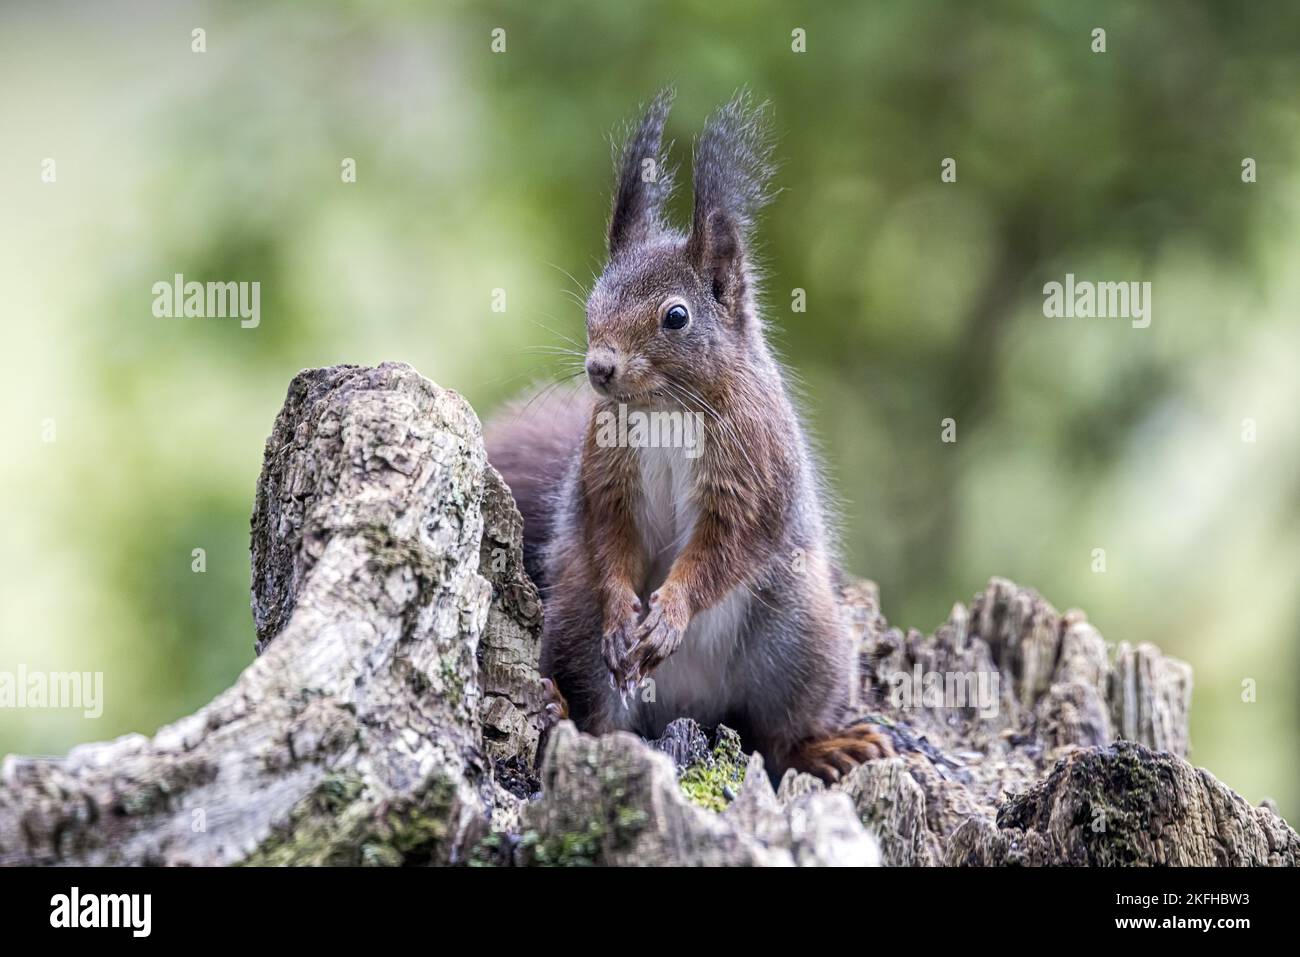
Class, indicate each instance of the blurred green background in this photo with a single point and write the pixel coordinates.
(478, 171)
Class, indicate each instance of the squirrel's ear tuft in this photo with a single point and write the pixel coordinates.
(733, 170)
(644, 179)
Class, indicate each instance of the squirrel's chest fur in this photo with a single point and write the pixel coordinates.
(694, 681)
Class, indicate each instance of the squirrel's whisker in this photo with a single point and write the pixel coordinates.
(554, 332)
(581, 289)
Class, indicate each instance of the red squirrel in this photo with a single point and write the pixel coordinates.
(686, 582)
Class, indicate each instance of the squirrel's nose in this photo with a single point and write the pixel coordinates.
(600, 369)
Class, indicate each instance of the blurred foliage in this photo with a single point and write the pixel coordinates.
(479, 171)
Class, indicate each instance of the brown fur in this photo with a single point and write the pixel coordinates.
(529, 442)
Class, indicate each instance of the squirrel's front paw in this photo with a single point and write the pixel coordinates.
(660, 634)
(619, 634)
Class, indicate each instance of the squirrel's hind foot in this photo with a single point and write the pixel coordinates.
(834, 756)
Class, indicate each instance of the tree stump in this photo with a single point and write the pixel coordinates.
(392, 715)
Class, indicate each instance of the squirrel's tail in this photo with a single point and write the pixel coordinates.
(531, 442)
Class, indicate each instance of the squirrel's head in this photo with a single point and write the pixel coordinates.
(672, 312)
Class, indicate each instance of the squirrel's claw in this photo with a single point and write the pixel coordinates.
(620, 620)
(834, 756)
(656, 639)
(615, 646)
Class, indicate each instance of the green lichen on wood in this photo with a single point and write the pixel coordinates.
(491, 850)
(337, 825)
(453, 684)
(1122, 795)
(602, 827)
(579, 848)
(707, 782)
(314, 833)
(1126, 797)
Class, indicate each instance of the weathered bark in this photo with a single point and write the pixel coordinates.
(614, 801)
(393, 714)
(1041, 776)
(356, 736)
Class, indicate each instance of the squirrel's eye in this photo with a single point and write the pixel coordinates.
(676, 317)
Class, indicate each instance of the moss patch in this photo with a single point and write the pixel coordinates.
(336, 826)
(571, 849)
(1118, 797)
(707, 783)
